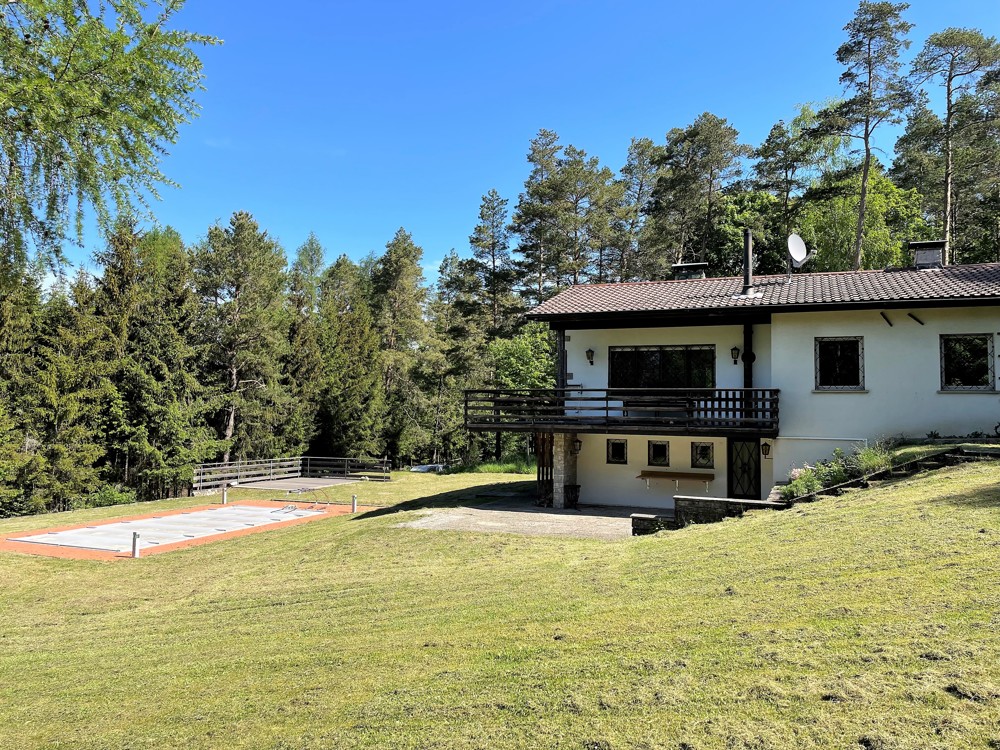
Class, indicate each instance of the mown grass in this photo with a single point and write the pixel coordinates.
(870, 620)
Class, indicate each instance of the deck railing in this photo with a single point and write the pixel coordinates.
(212, 476)
(647, 410)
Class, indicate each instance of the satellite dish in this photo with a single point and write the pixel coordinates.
(797, 251)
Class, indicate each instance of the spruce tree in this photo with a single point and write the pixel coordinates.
(240, 278)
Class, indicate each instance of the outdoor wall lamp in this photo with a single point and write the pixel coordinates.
(590, 356)
(735, 353)
(577, 446)
(765, 450)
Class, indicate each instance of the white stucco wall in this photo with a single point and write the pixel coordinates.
(902, 392)
(902, 381)
(727, 375)
(602, 483)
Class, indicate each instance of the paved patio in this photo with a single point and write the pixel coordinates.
(520, 517)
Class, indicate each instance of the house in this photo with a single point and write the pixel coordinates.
(717, 387)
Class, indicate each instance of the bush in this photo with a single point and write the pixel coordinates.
(837, 470)
(109, 495)
(507, 466)
(805, 483)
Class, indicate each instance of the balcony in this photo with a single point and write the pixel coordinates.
(648, 411)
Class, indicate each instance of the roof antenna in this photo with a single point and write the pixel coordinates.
(798, 256)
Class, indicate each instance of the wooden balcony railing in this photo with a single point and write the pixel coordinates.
(663, 411)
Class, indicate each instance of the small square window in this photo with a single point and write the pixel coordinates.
(617, 451)
(967, 362)
(840, 363)
(659, 453)
(702, 456)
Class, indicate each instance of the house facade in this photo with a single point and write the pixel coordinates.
(717, 387)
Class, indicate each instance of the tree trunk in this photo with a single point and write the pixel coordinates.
(231, 416)
(946, 255)
(862, 200)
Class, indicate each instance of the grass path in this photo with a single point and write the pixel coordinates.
(871, 620)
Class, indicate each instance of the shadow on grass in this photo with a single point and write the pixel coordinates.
(523, 492)
(982, 497)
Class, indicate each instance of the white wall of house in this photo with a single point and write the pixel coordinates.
(602, 483)
(902, 395)
(724, 338)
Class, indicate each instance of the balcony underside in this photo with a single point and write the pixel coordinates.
(648, 411)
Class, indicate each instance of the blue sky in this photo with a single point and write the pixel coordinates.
(351, 119)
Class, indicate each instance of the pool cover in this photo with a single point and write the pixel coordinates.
(168, 529)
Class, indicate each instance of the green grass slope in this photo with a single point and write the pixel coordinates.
(866, 621)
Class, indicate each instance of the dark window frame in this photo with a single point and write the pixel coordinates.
(617, 441)
(696, 463)
(649, 452)
(639, 374)
(818, 341)
(990, 385)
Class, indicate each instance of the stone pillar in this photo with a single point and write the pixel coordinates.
(563, 467)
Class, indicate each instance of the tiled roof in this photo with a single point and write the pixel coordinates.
(800, 291)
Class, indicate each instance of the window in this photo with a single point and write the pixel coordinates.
(967, 362)
(702, 456)
(659, 453)
(688, 366)
(840, 363)
(617, 451)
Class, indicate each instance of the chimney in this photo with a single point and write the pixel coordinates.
(689, 270)
(929, 254)
(747, 262)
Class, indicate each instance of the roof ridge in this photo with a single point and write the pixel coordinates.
(860, 271)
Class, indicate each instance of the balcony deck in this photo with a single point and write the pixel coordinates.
(647, 411)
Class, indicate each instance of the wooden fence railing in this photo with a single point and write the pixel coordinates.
(652, 410)
(215, 475)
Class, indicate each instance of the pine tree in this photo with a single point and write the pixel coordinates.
(351, 404)
(398, 297)
(493, 265)
(240, 278)
(637, 257)
(535, 220)
(960, 59)
(876, 37)
(305, 356)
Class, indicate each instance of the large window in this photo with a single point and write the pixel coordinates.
(661, 366)
(967, 362)
(840, 363)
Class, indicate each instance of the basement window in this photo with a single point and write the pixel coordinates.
(840, 363)
(617, 451)
(659, 453)
(967, 362)
(702, 456)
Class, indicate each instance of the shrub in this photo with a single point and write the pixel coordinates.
(870, 459)
(806, 483)
(507, 466)
(109, 495)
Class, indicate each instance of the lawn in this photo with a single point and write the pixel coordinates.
(870, 620)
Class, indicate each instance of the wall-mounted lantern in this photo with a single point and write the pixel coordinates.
(765, 450)
(590, 356)
(735, 354)
(576, 446)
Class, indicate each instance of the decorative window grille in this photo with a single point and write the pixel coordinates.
(659, 453)
(967, 362)
(840, 363)
(681, 366)
(617, 451)
(702, 455)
